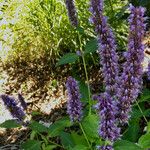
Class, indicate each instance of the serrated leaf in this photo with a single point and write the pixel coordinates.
(66, 140)
(38, 127)
(132, 132)
(31, 145)
(57, 127)
(144, 141)
(90, 126)
(78, 139)
(126, 145)
(67, 58)
(136, 113)
(10, 124)
(91, 46)
(145, 96)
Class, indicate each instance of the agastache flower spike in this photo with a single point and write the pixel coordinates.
(72, 14)
(130, 81)
(108, 129)
(74, 105)
(107, 46)
(22, 101)
(11, 105)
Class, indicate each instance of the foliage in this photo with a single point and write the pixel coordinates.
(36, 29)
(43, 31)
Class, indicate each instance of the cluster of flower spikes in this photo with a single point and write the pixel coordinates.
(11, 104)
(107, 46)
(130, 81)
(108, 129)
(72, 13)
(74, 105)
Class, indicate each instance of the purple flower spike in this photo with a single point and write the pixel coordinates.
(74, 105)
(11, 105)
(108, 129)
(107, 147)
(107, 46)
(130, 81)
(22, 101)
(72, 12)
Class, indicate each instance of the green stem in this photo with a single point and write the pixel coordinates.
(85, 135)
(50, 141)
(86, 74)
(141, 112)
(56, 144)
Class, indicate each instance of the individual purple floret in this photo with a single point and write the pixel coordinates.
(108, 129)
(148, 71)
(22, 101)
(107, 147)
(130, 81)
(72, 12)
(107, 46)
(74, 105)
(11, 105)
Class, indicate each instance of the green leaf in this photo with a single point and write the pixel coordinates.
(90, 126)
(144, 141)
(57, 127)
(91, 46)
(136, 113)
(80, 30)
(32, 135)
(78, 139)
(35, 113)
(80, 147)
(145, 96)
(132, 132)
(31, 145)
(67, 58)
(126, 145)
(10, 124)
(66, 140)
(38, 127)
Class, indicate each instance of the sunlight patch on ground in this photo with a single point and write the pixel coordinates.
(4, 113)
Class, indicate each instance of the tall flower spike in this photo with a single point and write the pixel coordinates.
(72, 14)
(74, 105)
(107, 46)
(22, 101)
(108, 129)
(130, 81)
(11, 105)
